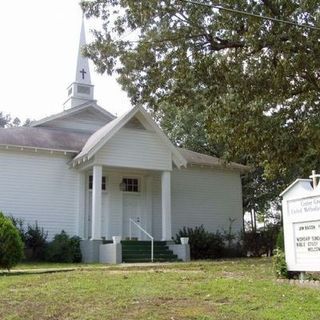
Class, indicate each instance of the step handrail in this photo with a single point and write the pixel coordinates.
(145, 232)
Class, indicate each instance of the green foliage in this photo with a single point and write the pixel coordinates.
(203, 244)
(280, 265)
(228, 235)
(34, 239)
(11, 245)
(64, 249)
(35, 242)
(257, 243)
(231, 85)
(261, 195)
(19, 224)
(280, 240)
(75, 248)
(232, 244)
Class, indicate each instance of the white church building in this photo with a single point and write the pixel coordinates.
(91, 174)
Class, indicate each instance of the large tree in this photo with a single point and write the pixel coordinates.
(220, 82)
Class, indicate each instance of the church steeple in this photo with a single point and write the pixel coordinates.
(83, 71)
(81, 90)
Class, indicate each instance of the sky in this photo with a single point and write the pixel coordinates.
(38, 56)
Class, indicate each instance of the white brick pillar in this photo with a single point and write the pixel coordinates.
(96, 203)
(166, 205)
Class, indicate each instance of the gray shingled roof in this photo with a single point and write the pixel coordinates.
(98, 136)
(74, 110)
(63, 140)
(205, 160)
(43, 138)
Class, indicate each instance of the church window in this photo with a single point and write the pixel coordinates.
(83, 90)
(103, 183)
(90, 182)
(130, 184)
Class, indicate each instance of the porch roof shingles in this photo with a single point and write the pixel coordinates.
(43, 138)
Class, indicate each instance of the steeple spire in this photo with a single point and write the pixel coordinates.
(81, 90)
(82, 71)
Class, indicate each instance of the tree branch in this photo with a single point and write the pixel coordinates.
(218, 43)
(272, 7)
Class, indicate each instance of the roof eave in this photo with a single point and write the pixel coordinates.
(239, 168)
(51, 150)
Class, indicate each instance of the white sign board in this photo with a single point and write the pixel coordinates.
(307, 238)
(301, 222)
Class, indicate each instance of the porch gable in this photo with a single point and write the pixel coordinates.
(151, 139)
(135, 148)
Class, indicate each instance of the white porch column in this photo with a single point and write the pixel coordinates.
(96, 203)
(82, 210)
(166, 205)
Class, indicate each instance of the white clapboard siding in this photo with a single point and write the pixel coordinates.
(115, 206)
(207, 197)
(105, 221)
(86, 120)
(40, 187)
(134, 148)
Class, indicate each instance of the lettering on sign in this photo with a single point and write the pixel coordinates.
(307, 241)
(304, 206)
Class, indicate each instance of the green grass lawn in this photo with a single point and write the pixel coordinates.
(235, 289)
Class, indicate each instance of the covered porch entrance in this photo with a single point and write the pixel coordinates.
(127, 168)
(114, 196)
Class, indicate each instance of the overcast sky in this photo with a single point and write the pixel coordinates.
(38, 59)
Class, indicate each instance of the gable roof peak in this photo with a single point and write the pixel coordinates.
(87, 105)
(98, 139)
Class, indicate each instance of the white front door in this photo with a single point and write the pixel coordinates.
(132, 210)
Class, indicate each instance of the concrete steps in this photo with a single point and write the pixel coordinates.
(140, 251)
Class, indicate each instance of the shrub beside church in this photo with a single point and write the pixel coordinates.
(11, 245)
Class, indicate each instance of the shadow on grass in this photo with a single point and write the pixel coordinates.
(33, 271)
